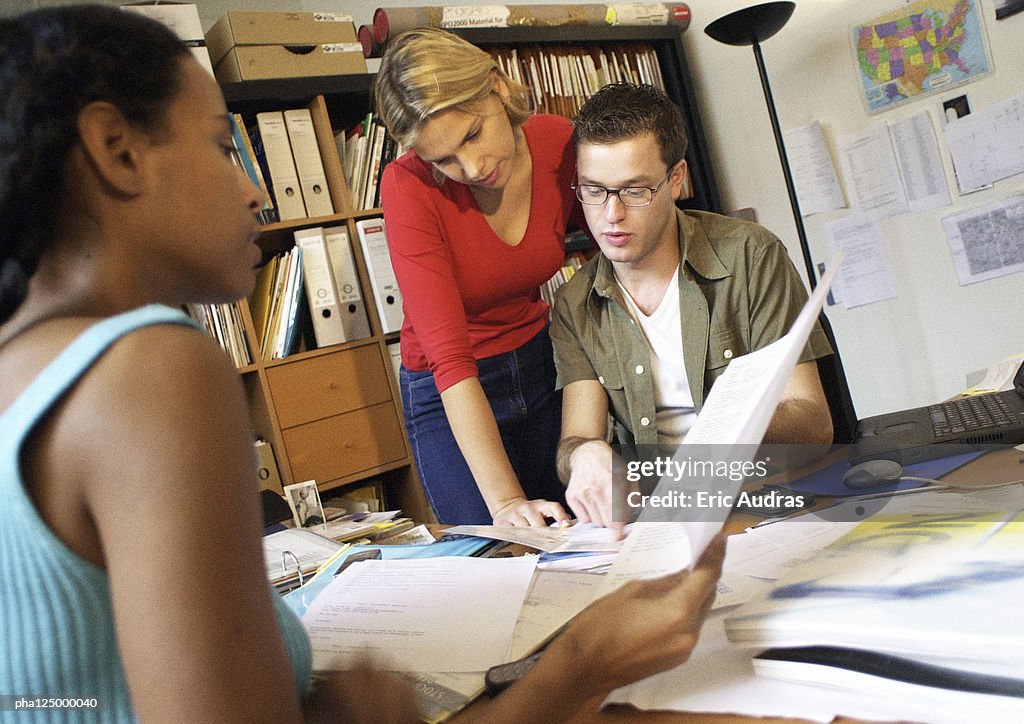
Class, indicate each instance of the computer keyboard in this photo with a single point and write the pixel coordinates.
(971, 413)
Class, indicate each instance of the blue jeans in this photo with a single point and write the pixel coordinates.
(520, 386)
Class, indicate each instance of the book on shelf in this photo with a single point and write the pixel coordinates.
(373, 164)
(922, 600)
(290, 326)
(562, 77)
(365, 150)
(573, 262)
(279, 310)
(224, 323)
(246, 157)
(263, 298)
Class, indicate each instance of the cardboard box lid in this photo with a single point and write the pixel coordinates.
(244, 27)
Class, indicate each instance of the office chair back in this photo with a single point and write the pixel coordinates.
(837, 390)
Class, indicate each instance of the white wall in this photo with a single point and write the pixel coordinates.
(913, 349)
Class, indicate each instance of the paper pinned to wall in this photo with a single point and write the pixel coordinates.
(988, 145)
(917, 154)
(867, 274)
(814, 174)
(987, 241)
(871, 173)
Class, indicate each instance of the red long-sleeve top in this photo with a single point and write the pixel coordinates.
(466, 293)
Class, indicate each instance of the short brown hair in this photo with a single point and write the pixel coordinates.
(620, 111)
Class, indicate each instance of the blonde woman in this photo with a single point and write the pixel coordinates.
(476, 214)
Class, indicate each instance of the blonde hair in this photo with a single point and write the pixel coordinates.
(427, 70)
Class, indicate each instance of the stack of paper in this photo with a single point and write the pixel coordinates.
(924, 600)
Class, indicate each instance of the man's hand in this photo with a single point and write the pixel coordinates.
(589, 492)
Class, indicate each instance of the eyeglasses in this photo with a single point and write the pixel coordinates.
(629, 196)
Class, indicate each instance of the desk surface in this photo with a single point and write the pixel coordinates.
(998, 466)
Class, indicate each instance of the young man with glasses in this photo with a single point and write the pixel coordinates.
(645, 328)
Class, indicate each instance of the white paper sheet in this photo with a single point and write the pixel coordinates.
(814, 174)
(430, 614)
(742, 401)
(554, 598)
(719, 677)
(917, 154)
(871, 173)
(650, 550)
(867, 273)
(988, 145)
(987, 241)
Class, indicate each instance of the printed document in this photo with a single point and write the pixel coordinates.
(867, 274)
(431, 614)
(814, 174)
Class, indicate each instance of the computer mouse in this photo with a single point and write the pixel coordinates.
(873, 474)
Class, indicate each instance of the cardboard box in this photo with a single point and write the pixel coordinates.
(183, 19)
(239, 28)
(257, 62)
(247, 45)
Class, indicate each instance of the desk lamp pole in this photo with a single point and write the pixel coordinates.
(794, 203)
(751, 26)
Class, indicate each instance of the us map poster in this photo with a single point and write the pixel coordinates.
(920, 48)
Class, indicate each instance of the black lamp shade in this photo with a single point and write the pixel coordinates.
(751, 25)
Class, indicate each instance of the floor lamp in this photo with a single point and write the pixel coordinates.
(751, 26)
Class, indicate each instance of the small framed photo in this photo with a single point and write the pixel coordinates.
(304, 500)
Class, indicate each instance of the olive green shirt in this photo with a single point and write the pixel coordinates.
(738, 292)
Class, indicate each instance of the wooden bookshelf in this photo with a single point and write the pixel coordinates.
(331, 414)
(334, 414)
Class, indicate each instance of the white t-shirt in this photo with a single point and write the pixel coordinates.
(662, 330)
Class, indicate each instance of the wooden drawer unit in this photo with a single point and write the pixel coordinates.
(346, 444)
(318, 387)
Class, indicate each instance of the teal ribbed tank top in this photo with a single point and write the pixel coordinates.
(56, 621)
